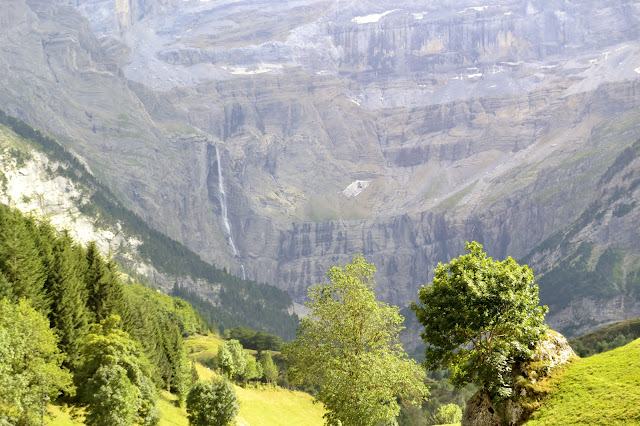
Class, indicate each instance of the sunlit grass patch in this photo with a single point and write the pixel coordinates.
(603, 389)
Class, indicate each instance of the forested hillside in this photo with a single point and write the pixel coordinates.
(226, 300)
(70, 328)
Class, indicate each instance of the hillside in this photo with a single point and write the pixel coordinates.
(602, 389)
(39, 176)
(262, 405)
(606, 338)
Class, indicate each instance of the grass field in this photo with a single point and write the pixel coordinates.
(200, 348)
(266, 406)
(603, 389)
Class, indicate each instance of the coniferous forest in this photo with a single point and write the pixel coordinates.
(74, 331)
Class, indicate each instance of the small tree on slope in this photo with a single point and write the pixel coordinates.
(481, 317)
(349, 346)
(213, 403)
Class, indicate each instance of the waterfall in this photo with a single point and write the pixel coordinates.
(225, 215)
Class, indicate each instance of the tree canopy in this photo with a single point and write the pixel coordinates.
(480, 316)
(119, 389)
(349, 346)
(212, 403)
(30, 363)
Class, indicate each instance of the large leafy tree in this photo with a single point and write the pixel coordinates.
(30, 363)
(349, 346)
(118, 378)
(481, 317)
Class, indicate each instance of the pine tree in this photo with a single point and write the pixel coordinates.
(19, 258)
(106, 295)
(178, 378)
(69, 314)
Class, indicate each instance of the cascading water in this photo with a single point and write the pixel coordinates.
(225, 216)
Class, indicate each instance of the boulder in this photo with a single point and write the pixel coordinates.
(554, 350)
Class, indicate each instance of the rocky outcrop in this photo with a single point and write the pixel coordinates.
(553, 351)
(479, 411)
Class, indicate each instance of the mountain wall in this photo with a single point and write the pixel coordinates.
(279, 138)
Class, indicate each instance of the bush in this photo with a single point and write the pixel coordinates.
(447, 414)
(213, 403)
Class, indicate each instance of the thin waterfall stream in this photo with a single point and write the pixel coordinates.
(225, 215)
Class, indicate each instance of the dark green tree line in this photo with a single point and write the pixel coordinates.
(75, 290)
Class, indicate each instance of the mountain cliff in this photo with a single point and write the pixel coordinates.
(277, 138)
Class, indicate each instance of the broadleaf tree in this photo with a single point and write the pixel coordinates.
(116, 369)
(30, 364)
(212, 403)
(481, 317)
(349, 347)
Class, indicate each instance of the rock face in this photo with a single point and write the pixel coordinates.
(480, 411)
(492, 122)
(553, 351)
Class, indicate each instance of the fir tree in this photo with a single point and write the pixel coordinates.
(19, 259)
(69, 314)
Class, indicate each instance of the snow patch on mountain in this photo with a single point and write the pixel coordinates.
(356, 188)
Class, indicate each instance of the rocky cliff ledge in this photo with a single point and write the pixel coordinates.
(550, 353)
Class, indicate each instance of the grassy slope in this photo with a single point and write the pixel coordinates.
(608, 333)
(271, 406)
(600, 390)
(266, 406)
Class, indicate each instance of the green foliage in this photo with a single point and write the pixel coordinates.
(607, 338)
(20, 260)
(447, 414)
(603, 389)
(75, 287)
(349, 346)
(252, 370)
(158, 322)
(112, 399)
(213, 403)
(264, 319)
(69, 314)
(225, 361)
(30, 363)
(269, 368)
(480, 318)
(623, 160)
(113, 359)
(232, 360)
(584, 272)
(242, 302)
(258, 340)
(106, 294)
